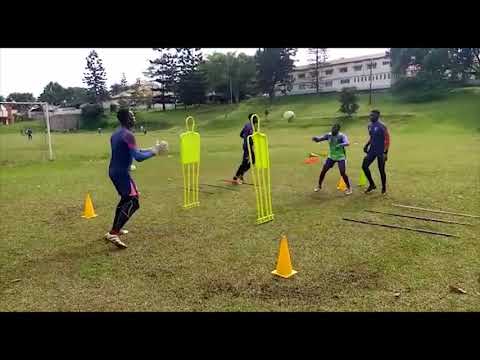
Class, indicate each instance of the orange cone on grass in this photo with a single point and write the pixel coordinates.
(284, 265)
(341, 185)
(88, 210)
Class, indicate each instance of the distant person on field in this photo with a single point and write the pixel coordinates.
(376, 148)
(99, 130)
(247, 130)
(124, 149)
(29, 133)
(336, 154)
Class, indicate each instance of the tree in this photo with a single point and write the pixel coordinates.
(229, 72)
(455, 64)
(123, 82)
(348, 101)
(192, 83)
(116, 89)
(319, 57)
(141, 94)
(95, 78)
(77, 96)
(274, 68)
(54, 93)
(465, 62)
(192, 88)
(21, 97)
(164, 71)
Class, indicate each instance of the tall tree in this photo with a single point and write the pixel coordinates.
(54, 93)
(164, 71)
(192, 84)
(142, 93)
(123, 82)
(318, 57)
(229, 72)
(95, 78)
(274, 68)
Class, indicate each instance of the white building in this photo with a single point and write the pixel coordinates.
(335, 75)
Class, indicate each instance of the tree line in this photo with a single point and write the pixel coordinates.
(184, 75)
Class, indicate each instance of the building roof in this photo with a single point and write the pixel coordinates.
(344, 61)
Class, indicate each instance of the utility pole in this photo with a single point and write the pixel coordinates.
(229, 79)
(371, 78)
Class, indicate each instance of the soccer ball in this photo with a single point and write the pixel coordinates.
(289, 115)
(133, 167)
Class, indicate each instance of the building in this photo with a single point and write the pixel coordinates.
(358, 72)
(149, 89)
(7, 114)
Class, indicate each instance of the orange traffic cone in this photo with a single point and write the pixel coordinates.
(88, 211)
(284, 265)
(341, 185)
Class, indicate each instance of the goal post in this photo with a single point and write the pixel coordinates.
(46, 112)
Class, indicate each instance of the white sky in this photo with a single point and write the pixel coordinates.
(29, 70)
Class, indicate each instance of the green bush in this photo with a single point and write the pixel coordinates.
(92, 116)
(348, 101)
(113, 108)
(421, 88)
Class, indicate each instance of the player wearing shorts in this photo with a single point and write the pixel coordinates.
(336, 154)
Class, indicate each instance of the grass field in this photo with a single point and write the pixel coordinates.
(213, 258)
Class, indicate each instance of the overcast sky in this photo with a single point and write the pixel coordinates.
(29, 70)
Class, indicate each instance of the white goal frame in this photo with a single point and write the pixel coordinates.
(47, 120)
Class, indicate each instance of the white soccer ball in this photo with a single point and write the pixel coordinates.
(133, 167)
(289, 115)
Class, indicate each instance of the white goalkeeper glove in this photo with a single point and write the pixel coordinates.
(160, 147)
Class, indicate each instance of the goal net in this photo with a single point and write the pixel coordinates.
(25, 132)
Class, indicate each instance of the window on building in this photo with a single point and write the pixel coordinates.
(388, 75)
(372, 66)
(357, 67)
(386, 63)
(329, 72)
(345, 81)
(343, 69)
(301, 76)
(328, 83)
(301, 87)
(313, 74)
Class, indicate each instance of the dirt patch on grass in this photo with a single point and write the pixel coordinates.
(328, 286)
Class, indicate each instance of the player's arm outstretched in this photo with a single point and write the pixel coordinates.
(141, 155)
(321, 138)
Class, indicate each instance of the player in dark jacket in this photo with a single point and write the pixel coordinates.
(247, 130)
(376, 148)
(124, 150)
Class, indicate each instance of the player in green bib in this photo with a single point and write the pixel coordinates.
(336, 154)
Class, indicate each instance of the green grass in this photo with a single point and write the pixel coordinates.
(214, 258)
